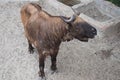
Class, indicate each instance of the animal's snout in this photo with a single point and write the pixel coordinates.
(92, 32)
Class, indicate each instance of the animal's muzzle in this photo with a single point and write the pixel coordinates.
(92, 33)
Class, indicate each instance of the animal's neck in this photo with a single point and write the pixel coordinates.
(57, 29)
(69, 35)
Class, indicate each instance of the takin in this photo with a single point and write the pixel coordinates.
(46, 32)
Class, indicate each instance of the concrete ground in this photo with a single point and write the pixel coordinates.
(96, 60)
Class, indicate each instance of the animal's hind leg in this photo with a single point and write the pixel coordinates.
(41, 65)
(30, 47)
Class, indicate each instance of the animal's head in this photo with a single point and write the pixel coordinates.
(80, 29)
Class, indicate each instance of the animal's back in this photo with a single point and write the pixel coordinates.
(45, 28)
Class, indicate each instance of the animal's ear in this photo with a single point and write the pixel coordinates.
(68, 20)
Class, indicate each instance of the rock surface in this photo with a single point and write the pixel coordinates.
(96, 60)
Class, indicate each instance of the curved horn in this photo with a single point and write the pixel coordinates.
(72, 18)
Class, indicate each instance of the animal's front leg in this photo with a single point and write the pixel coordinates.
(41, 66)
(53, 60)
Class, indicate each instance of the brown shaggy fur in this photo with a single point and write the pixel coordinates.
(51, 30)
(27, 10)
(46, 32)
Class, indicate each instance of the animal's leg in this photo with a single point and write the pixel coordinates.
(41, 65)
(30, 47)
(53, 60)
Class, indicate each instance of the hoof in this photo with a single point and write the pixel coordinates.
(31, 51)
(42, 78)
(54, 71)
(41, 75)
(53, 68)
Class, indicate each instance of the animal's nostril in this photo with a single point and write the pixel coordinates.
(94, 32)
(92, 29)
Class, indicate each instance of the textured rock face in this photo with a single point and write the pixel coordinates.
(16, 0)
(56, 8)
(92, 11)
(96, 60)
(108, 8)
(70, 2)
